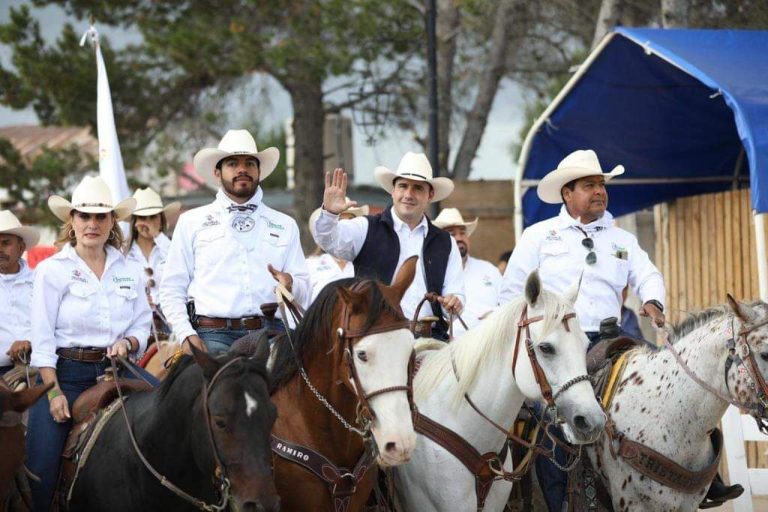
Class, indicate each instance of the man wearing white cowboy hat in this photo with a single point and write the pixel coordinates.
(226, 256)
(482, 280)
(15, 290)
(323, 267)
(379, 244)
(582, 242)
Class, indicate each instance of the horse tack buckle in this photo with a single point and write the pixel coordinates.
(349, 476)
(496, 466)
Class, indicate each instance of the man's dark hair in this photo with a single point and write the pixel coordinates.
(218, 164)
(505, 256)
(571, 186)
(394, 180)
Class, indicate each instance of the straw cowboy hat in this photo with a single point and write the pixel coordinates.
(234, 143)
(148, 203)
(450, 217)
(10, 225)
(92, 195)
(414, 166)
(579, 164)
(357, 211)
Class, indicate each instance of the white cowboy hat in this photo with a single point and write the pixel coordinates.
(148, 203)
(357, 211)
(10, 225)
(414, 166)
(450, 217)
(235, 142)
(579, 164)
(92, 195)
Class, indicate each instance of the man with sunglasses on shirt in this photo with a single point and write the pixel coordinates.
(583, 241)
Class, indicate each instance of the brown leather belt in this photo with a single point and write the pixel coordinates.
(250, 323)
(86, 355)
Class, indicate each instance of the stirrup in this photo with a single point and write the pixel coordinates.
(731, 493)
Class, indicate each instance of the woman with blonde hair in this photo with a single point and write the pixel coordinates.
(148, 245)
(87, 307)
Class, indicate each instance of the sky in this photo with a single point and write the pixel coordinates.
(493, 161)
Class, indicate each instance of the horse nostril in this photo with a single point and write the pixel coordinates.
(581, 423)
(764, 356)
(390, 447)
(252, 506)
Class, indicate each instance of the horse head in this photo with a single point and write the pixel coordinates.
(377, 347)
(749, 350)
(239, 416)
(558, 346)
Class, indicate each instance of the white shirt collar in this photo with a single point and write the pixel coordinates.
(21, 274)
(68, 252)
(565, 221)
(399, 225)
(223, 201)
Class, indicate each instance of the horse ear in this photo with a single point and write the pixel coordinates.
(405, 276)
(572, 293)
(261, 354)
(351, 299)
(532, 288)
(22, 400)
(742, 311)
(209, 365)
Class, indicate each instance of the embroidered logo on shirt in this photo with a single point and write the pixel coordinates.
(272, 225)
(78, 276)
(118, 280)
(487, 281)
(620, 252)
(243, 223)
(553, 236)
(210, 221)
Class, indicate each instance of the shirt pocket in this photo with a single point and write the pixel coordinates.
(619, 270)
(82, 291)
(274, 247)
(127, 293)
(209, 248)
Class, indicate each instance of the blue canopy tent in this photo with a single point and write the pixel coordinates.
(685, 112)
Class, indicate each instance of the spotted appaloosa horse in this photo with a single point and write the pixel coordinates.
(480, 364)
(659, 405)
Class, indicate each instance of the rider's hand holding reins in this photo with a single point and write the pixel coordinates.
(335, 193)
(452, 304)
(284, 278)
(654, 313)
(120, 348)
(195, 340)
(19, 351)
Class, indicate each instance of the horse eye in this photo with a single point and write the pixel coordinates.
(220, 423)
(362, 356)
(546, 349)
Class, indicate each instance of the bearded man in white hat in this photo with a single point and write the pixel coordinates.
(16, 281)
(226, 257)
(379, 244)
(582, 242)
(482, 280)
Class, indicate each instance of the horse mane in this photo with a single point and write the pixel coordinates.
(489, 341)
(699, 318)
(186, 361)
(314, 333)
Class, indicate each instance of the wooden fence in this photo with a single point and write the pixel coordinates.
(705, 248)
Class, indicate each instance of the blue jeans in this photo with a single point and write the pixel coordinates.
(46, 438)
(222, 339)
(4, 370)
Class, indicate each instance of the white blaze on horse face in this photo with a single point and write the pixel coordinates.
(250, 404)
(381, 361)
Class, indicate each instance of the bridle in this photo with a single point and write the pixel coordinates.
(538, 371)
(220, 473)
(741, 354)
(347, 336)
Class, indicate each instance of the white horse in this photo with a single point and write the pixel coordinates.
(659, 405)
(435, 480)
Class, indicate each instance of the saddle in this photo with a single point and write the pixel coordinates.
(90, 413)
(606, 351)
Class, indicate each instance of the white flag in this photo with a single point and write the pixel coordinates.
(111, 167)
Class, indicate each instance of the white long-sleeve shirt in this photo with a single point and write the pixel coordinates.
(554, 246)
(324, 269)
(71, 307)
(482, 281)
(156, 262)
(344, 239)
(219, 259)
(15, 308)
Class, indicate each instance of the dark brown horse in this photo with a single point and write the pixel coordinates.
(341, 386)
(209, 421)
(12, 404)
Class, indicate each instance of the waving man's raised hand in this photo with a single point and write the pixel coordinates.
(335, 194)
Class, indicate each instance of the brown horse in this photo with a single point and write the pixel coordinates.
(339, 384)
(12, 404)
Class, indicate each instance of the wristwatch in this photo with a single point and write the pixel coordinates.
(656, 303)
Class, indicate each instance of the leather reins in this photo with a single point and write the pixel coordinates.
(220, 473)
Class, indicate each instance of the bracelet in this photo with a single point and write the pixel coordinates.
(130, 345)
(53, 393)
